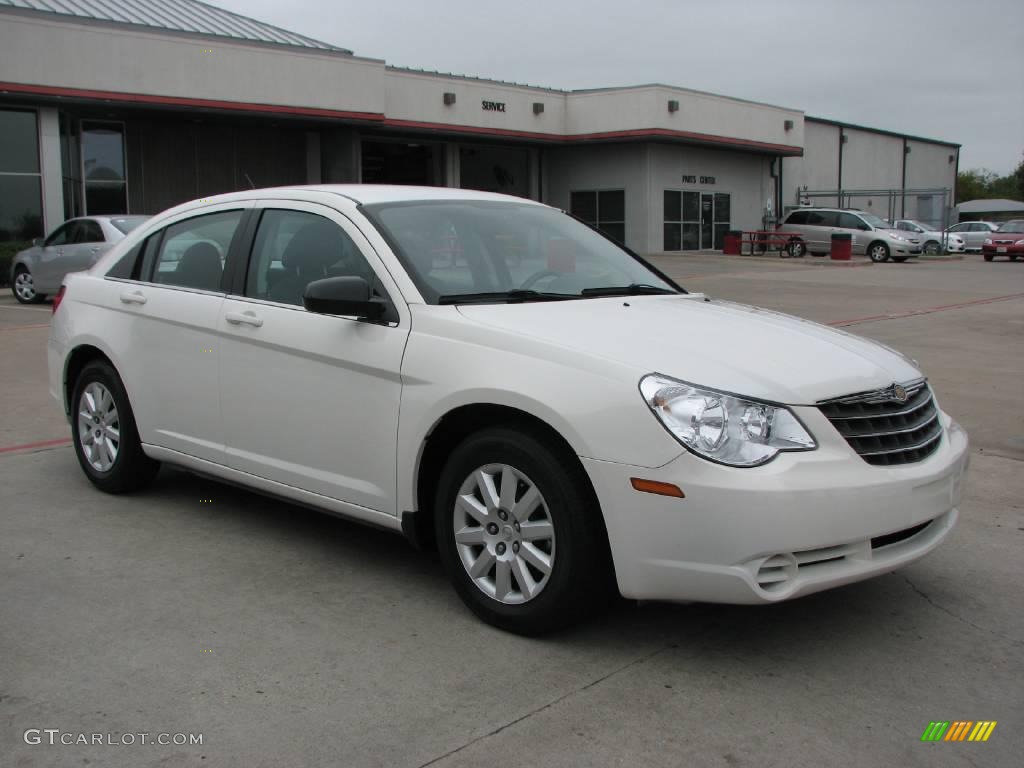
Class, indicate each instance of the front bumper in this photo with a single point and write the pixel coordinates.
(800, 524)
(1003, 249)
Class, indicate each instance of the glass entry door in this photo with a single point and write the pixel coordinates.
(696, 220)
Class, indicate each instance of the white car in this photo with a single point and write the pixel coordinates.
(931, 240)
(493, 378)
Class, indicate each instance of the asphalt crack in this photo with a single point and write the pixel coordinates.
(928, 599)
(548, 705)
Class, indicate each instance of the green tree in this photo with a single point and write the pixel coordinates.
(983, 184)
(1019, 176)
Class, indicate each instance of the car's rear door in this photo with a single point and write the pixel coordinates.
(309, 400)
(49, 271)
(167, 330)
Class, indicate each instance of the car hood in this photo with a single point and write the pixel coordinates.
(730, 347)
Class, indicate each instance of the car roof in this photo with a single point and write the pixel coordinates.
(369, 194)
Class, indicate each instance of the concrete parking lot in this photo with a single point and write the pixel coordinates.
(288, 638)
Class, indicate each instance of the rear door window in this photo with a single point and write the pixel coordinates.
(89, 231)
(192, 252)
(823, 218)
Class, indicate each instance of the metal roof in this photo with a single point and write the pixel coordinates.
(174, 15)
(996, 205)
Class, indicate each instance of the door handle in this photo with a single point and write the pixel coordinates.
(94, 249)
(135, 297)
(243, 318)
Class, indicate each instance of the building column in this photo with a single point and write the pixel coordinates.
(340, 156)
(50, 168)
(452, 165)
(313, 172)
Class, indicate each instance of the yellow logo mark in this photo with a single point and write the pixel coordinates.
(206, 650)
(206, 501)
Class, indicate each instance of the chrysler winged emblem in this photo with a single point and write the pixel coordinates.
(898, 393)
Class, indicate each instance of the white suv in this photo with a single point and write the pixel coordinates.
(812, 230)
(491, 377)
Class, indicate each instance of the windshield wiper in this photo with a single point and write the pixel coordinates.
(515, 295)
(633, 289)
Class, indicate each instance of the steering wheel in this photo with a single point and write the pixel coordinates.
(537, 277)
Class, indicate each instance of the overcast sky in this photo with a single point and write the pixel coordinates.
(945, 69)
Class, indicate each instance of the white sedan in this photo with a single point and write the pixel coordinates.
(931, 240)
(491, 377)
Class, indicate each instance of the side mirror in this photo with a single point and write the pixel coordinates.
(343, 296)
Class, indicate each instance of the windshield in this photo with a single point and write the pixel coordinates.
(1012, 226)
(875, 221)
(463, 250)
(126, 224)
(919, 225)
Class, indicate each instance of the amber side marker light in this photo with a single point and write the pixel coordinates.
(653, 486)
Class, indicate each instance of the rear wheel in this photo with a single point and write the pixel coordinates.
(796, 249)
(878, 252)
(24, 287)
(105, 437)
(989, 257)
(519, 532)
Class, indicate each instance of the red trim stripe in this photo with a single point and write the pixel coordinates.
(179, 101)
(34, 446)
(378, 118)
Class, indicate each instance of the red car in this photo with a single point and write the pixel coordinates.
(1008, 240)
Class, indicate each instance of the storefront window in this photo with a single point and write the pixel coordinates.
(21, 199)
(604, 209)
(682, 220)
(103, 168)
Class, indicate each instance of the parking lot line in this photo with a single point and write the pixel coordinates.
(34, 446)
(927, 310)
(25, 327)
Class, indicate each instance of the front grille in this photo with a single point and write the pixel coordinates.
(884, 431)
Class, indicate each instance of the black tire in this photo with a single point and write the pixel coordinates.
(900, 259)
(878, 252)
(796, 249)
(131, 469)
(579, 579)
(1013, 257)
(932, 248)
(21, 276)
(989, 257)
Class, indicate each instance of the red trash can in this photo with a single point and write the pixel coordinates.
(733, 242)
(842, 246)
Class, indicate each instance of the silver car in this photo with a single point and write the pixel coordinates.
(811, 229)
(75, 245)
(973, 233)
(932, 241)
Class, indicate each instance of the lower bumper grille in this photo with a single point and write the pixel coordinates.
(885, 429)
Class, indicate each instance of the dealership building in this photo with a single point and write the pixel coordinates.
(131, 106)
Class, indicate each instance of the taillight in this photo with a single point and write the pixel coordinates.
(57, 298)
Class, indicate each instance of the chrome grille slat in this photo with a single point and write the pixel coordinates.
(886, 432)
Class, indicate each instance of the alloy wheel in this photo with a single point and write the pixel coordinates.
(878, 253)
(504, 533)
(24, 286)
(99, 427)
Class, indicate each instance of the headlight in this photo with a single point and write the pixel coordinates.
(722, 427)
(1020, 242)
(988, 241)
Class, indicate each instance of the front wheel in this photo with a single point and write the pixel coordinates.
(989, 257)
(105, 437)
(519, 532)
(932, 248)
(796, 249)
(24, 287)
(878, 252)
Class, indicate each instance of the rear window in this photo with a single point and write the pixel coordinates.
(126, 224)
(797, 217)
